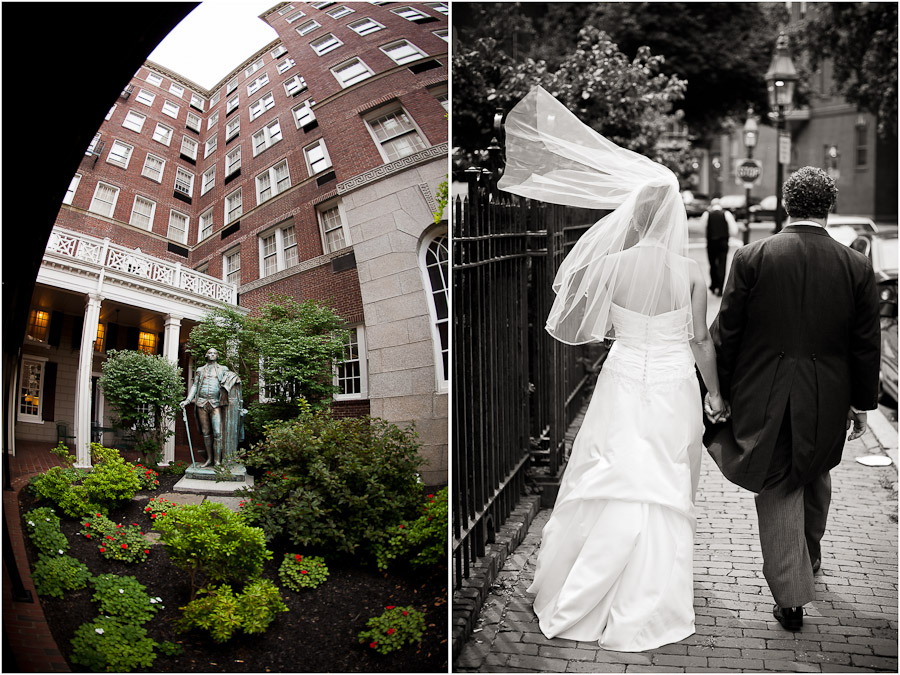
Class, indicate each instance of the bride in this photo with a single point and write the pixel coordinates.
(616, 560)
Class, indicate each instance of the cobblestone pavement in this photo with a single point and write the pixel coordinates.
(852, 627)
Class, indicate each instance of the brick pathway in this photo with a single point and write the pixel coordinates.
(852, 627)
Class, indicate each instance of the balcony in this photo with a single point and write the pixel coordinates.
(112, 257)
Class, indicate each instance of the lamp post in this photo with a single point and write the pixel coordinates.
(781, 79)
(751, 133)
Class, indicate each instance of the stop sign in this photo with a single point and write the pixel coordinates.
(749, 171)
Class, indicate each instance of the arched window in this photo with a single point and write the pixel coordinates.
(434, 258)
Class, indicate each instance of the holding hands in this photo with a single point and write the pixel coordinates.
(716, 408)
(859, 420)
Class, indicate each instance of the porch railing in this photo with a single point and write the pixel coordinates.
(515, 388)
(105, 253)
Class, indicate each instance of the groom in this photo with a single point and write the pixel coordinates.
(797, 341)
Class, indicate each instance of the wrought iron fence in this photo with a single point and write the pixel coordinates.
(515, 388)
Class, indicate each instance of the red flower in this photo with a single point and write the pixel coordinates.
(98, 515)
(118, 526)
(401, 527)
(124, 545)
(108, 536)
(405, 613)
(303, 572)
(373, 645)
(153, 515)
(390, 607)
(156, 481)
(391, 631)
(147, 509)
(87, 524)
(430, 496)
(164, 514)
(88, 536)
(147, 551)
(102, 549)
(298, 557)
(135, 524)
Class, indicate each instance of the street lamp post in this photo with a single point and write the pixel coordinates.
(751, 132)
(780, 81)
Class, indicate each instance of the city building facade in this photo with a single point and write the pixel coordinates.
(311, 170)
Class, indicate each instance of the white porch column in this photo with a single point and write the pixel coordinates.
(170, 350)
(83, 382)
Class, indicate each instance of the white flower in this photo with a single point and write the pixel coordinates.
(60, 551)
(99, 631)
(158, 599)
(152, 601)
(121, 590)
(47, 519)
(31, 522)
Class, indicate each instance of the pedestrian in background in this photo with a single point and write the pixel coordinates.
(720, 225)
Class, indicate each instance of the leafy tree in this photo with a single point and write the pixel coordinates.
(144, 391)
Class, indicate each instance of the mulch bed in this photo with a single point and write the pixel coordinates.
(318, 634)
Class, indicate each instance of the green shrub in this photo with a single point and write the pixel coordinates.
(56, 486)
(148, 478)
(422, 542)
(398, 626)
(171, 648)
(127, 543)
(54, 575)
(105, 644)
(158, 507)
(298, 572)
(211, 541)
(222, 613)
(176, 468)
(112, 480)
(124, 598)
(96, 527)
(333, 483)
(44, 532)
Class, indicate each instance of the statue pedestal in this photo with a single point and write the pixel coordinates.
(237, 473)
(202, 480)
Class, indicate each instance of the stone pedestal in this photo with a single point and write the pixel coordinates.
(203, 480)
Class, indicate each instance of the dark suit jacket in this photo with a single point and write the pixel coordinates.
(798, 325)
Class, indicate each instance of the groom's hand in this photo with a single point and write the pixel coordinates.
(859, 421)
(716, 409)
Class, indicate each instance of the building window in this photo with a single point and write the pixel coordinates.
(154, 79)
(134, 121)
(212, 121)
(350, 376)
(294, 85)
(194, 122)
(439, 7)
(440, 93)
(197, 101)
(120, 154)
(403, 51)
(266, 137)
(434, 259)
(145, 97)
(265, 103)
(231, 85)
(176, 89)
(211, 144)
(215, 98)
(303, 113)
(285, 10)
(147, 342)
(189, 147)
(206, 224)
(320, 5)
(153, 167)
(278, 250)
(231, 266)
(254, 86)
(231, 104)
(317, 159)
(268, 253)
(209, 179)
(862, 142)
(279, 51)
(365, 26)
(293, 17)
(93, 146)
(339, 11)
(163, 134)
(352, 71)
(38, 325)
(142, 213)
(285, 66)
(233, 206)
(101, 338)
(272, 181)
(233, 161)
(256, 65)
(110, 113)
(31, 385)
(232, 128)
(104, 200)
(325, 44)
(335, 233)
(170, 109)
(411, 14)
(395, 134)
(184, 181)
(308, 27)
(178, 226)
(73, 185)
(442, 33)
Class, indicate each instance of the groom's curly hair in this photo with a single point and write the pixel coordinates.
(809, 192)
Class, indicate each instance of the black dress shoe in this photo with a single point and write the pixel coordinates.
(816, 565)
(791, 618)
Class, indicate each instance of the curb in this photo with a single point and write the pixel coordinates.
(884, 433)
(470, 596)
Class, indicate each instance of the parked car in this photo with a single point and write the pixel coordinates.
(737, 205)
(847, 228)
(695, 203)
(765, 210)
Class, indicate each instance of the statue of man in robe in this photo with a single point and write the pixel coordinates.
(216, 393)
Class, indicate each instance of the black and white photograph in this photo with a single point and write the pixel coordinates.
(674, 389)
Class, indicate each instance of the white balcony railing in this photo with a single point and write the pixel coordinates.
(112, 256)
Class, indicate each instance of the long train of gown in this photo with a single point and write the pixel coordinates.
(616, 559)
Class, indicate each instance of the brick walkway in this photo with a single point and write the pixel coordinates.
(852, 627)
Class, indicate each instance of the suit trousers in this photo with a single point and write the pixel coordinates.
(792, 520)
(717, 253)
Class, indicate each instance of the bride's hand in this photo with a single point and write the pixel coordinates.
(716, 408)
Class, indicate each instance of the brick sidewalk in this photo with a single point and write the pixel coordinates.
(852, 627)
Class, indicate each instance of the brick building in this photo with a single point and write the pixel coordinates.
(310, 170)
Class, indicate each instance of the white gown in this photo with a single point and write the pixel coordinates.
(616, 558)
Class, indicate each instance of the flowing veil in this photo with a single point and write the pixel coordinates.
(634, 257)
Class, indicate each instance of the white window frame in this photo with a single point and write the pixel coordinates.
(253, 67)
(265, 102)
(293, 17)
(285, 10)
(439, 7)
(232, 129)
(271, 174)
(232, 213)
(167, 109)
(442, 381)
(187, 226)
(412, 53)
(215, 98)
(27, 362)
(380, 143)
(321, 209)
(277, 235)
(93, 145)
(212, 120)
(176, 89)
(411, 14)
(154, 79)
(208, 181)
(208, 216)
(73, 186)
(197, 101)
(145, 97)
(231, 85)
(257, 84)
(210, 146)
(193, 122)
(326, 157)
(231, 152)
(359, 333)
(112, 205)
(441, 94)
(193, 147)
(115, 162)
(325, 43)
(307, 27)
(346, 65)
(162, 168)
(232, 103)
(320, 5)
(339, 11)
(278, 52)
(231, 255)
(152, 203)
(294, 85)
(307, 117)
(168, 136)
(268, 136)
(285, 65)
(110, 113)
(181, 172)
(134, 121)
(365, 26)
(442, 33)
